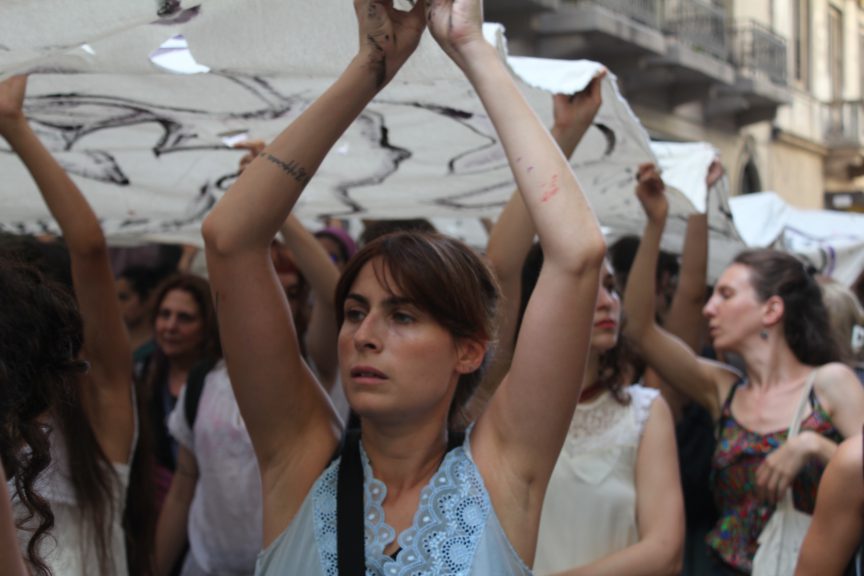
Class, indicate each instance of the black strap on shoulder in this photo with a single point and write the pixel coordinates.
(350, 531)
(194, 388)
(350, 528)
(726, 408)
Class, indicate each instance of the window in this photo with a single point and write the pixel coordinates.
(835, 52)
(750, 180)
(801, 41)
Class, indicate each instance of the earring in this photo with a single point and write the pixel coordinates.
(763, 334)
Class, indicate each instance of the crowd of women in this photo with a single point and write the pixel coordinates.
(414, 407)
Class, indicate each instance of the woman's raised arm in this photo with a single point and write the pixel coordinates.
(106, 343)
(518, 437)
(838, 520)
(293, 429)
(318, 269)
(512, 235)
(704, 381)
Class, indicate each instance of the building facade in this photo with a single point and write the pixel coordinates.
(775, 85)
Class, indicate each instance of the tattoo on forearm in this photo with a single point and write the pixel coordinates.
(297, 172)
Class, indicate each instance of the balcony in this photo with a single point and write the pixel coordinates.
(667, 53)
(516, 17)
(760, 57)
(697, 49)
(843, 133)
(700, 25)
(842, 123)
(615, 32)
(664, 52)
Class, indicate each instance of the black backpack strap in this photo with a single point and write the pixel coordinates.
(194, 388)
(350, 529)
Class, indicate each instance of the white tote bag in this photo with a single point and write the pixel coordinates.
(781, 539)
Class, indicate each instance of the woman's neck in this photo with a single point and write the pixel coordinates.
(405, 456)
(182, 364)
(770, 361)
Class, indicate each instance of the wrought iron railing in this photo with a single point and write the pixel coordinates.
(760, 51)
(647, 12)
(700, 24)
(842, 123)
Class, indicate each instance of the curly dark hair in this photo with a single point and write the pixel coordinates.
(42, 334)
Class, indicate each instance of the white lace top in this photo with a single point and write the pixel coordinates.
(455, 530)
(590, 506)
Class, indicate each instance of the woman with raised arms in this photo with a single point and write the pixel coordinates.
(415, 313)
(768, 310)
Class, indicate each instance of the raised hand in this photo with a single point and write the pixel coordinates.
(651, 192)
(715, 173)
(253, 149)
(575, 113)
(455, 24)
(388, 36)
(12, 101)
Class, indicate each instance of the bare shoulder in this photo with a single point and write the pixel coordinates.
(834, 372)
(835, 382)
(660, 423)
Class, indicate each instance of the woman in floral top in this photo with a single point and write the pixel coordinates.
(767, 309)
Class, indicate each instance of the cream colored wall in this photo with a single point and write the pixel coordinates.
(796, 175)
(820, 79)
(851, 51)
(757, 10)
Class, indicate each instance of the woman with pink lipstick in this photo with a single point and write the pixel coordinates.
(614, 503)
(768, 310)
(416, 317)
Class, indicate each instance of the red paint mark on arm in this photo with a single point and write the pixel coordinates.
(551, 190)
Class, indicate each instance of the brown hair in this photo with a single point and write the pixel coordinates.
(42, 334)
(199, 289)
(444, 278)
(844, 313)
(805, 318)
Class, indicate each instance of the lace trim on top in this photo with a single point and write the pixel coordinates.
(604, 422)
(447, 528)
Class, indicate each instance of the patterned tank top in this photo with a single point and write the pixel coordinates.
(739, 454)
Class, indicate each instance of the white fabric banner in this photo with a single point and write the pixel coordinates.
(147, 145)
(833, 242)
